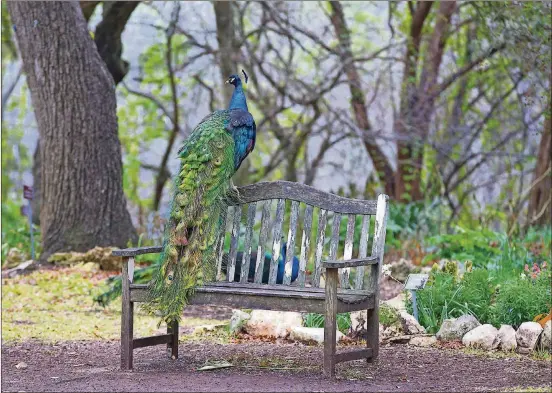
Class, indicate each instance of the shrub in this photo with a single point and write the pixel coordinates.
(522, 298)
(317, 320)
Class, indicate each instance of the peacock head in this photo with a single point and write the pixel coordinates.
(235, 79)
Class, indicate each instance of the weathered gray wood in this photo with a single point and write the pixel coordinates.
(265, 219)
(127, 317)
(330, 322)
(172, 347)
(334, 240)
(270, 297)
(351, 263)
(320, 237)
(305, 245)
(267, 287)
(362, 251)
(372, 319)
(291, 242)
(355, 354)
(231, 269)
(220, 244)
(152, 340)
(348, 250)
(132, 252)
(306, 194)
(277, 240)
(251, 210)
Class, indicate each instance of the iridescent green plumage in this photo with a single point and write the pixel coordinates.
(188, 257)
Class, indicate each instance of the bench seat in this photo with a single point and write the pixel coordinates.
(269, 297)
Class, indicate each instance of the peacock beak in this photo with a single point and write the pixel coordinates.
(227, 81)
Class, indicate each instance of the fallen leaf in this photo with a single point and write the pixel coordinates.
(21, 366)
(215, 365)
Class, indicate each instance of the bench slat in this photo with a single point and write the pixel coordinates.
(334, 240)
(350, 263)
(320, 237)
(305, 245)
(363, 249)
(348, 250)
(231, 269)
(290, 251)
(251, 210)
(277, 240)
(262, 241)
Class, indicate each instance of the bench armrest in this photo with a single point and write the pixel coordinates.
(350, 263)
(132, 252)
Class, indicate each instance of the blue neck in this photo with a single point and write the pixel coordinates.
(238, 100)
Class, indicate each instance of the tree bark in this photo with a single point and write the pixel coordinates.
(358, 101)
(109, 44)
(73, 95)
(227, 52)
(540, 202)
(417, 99)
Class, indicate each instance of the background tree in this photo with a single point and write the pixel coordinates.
(83, 204)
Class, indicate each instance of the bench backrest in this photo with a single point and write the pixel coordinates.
(265, 224)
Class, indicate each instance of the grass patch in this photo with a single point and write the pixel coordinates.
(55, 305)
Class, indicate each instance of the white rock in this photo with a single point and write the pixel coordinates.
(481, 337)
(272, 323)
(306, 334)
(410, 325)
(238, 320)
(527, 335)
(422, 341)
(398, 302)
(506, 338)
(455, 328)
(546, 337)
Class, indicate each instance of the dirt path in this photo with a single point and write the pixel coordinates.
(93, 366)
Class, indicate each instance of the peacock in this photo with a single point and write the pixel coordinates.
(209, 158)
(266, 266)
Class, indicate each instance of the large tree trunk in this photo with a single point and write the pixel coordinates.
(418, 99)
(109, 44)
(73, 95)
(540, 201)
(228, 55)
(358, 102)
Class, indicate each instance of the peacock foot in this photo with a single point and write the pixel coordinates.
(234, 193)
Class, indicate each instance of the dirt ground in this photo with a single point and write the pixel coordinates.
(261, 367)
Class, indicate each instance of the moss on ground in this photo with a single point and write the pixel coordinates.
(54, 305)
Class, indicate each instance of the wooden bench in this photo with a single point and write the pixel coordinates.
(340, 293)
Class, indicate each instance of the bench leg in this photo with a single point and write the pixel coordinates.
(127, 334)
(372, 332)
(330, 323)
(127, 319)
(172, 347)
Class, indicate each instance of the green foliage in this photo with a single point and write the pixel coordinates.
(388, 315)
(486, 294)
(479, 246)
(522, 298)
(317, 320)
(15, 231)
(412, 220)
